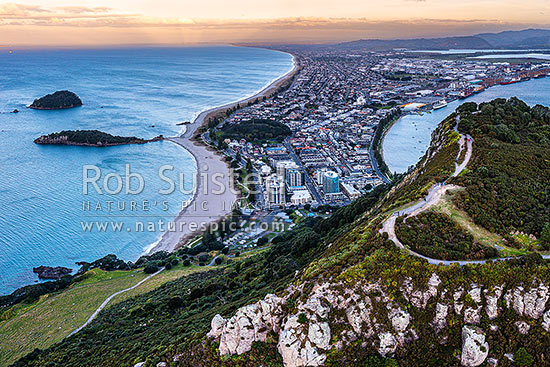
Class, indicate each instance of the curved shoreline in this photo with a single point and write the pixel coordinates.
(209, 163)
(461, 101)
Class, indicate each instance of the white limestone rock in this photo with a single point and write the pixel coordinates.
(400, 320)
(491, 302)
(458, 304)
(319, 334)
(440, 318)
(514, 300)
(472, 315)
(535, 301)
(387, 345)
(475, 293)
(474, 347)
(217, 324)
(546, 321)
(418, 298)
(523, 327)
(291, 339)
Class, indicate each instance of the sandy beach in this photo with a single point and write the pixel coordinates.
(210, 203)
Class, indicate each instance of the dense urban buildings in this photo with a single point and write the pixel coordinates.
(334, 107)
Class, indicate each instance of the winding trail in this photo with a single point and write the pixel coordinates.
(434, 196)
(108, 299)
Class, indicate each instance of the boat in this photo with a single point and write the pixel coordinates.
(440, 104)
(540, 76)
(478, 89)
(511, 81)
(465, 93)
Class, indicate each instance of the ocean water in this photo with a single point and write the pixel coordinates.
(139, 92)
(410, 136)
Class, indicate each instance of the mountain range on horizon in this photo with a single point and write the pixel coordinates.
(522, 40)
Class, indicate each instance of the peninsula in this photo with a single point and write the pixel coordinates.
(59, 100)
(91, 138)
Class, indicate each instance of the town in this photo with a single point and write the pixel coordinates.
(333, 109)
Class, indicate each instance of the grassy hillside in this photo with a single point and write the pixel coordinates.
(508, 184)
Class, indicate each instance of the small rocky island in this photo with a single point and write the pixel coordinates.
(91, 138)
(48, 272)
(57, 101)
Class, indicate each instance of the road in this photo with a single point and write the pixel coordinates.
(102, 306)
(309, 183)
(434, 196)
(374, 163)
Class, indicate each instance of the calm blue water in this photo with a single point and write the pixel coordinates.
(409, 138)
(125, 92)
(515, 56)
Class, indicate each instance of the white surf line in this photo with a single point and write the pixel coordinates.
(102, 306)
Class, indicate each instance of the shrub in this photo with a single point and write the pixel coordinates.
(151, 268)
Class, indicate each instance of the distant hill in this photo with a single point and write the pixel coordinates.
(526, 39)
(529, 38)
(420, 43)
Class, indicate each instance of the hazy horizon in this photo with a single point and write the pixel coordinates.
(43, 23)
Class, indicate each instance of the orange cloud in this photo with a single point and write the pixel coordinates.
(36, 25)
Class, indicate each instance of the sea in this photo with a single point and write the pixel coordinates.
(409, 138)
(45, 212)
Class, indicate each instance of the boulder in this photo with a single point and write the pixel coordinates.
(388, 344)
(523, 327)
(48, 272)
(474, 347)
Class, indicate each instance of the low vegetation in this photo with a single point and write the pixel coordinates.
(437, 236)
(256, 131)
(508, 182)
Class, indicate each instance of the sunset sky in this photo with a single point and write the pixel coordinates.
(103, 22)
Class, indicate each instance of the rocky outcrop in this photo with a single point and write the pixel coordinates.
(48, 272)
(331, 315)
(91, 138)
(474, 347)
(491, 307)
(57, 101)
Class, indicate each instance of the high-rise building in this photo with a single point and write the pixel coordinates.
(319, 175)
(281, 168)
(294, 177)
(275, 191)
(289, 172)
(331, 183)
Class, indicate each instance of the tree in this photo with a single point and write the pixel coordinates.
(523, 358)
(262, 241)
(218, 261)
(186, 262)
(151, 268)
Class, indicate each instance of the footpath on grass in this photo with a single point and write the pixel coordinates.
(102, 306)
(435, 193)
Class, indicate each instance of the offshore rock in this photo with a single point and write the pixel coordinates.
(57, 101)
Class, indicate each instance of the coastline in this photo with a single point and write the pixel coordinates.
(206, 205)
(461, 101)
